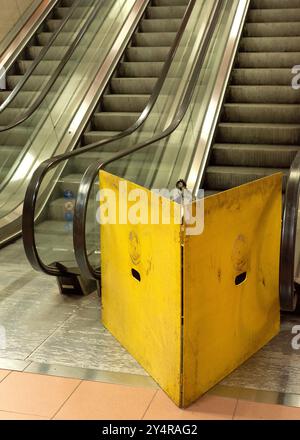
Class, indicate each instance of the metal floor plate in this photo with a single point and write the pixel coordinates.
(59, 335)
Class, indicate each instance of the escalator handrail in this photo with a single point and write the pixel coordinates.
(37, 102)
(26, 33)
(31, 196)
(288, 294)
(39, 58)
(87, 182)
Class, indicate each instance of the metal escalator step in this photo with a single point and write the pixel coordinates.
(222, 178)
(43, 68)
(72, 25)
(274, 4)
(53, 53)
(53, 228)
(273, 15)
(141, 69)
(156, 25)
(248, 77)
(268, 59)
(8, 155)
(261, 113)
(80, 11)
(125, 103)
(70, 182)
(114, 121)
(56, 209)
(154, 39)
(133, 85)
(263, 94)
(284, 134)
(165, 11)
(22, 99)
(170, 2)
(253, 155)
(148, 54)
(63, 39)
(90, 137)
(268, 44)
(10, 115)
(34, 83)
(17, 137)
(288, 29)
(259, 133)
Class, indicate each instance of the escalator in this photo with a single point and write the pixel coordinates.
(259, 129)
(242, 92)
(121, 112)
(247, 128)
(48, 79)
(126, 97)
(37, 43)
(13, 102)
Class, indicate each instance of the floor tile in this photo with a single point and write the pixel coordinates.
(4, 415)
(82, 341)
(99, 401)
(34, 394)
(206, 408)
(3, 374)
(273, 368)
(262, 411)
(32, 323)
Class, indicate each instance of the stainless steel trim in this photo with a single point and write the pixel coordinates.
(258, 396)
(92, 375)
(26, 33)
(252, 395)
(13, 364)
(197, 169)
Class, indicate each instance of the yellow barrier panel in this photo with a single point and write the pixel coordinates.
(231, 283)
(192, 308)
(145, 315)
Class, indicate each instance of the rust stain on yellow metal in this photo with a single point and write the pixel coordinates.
(145, 315)
(225, 323)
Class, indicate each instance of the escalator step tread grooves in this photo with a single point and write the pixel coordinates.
(126, 97)
(259, 129)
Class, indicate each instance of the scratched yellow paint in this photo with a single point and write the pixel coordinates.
(225, 324)
(144, 316)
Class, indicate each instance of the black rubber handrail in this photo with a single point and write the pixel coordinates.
(86, 185)
(39, 58)
(31, 196)
(37, 102)
(288, 294)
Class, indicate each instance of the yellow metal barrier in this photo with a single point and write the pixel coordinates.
(192, 308)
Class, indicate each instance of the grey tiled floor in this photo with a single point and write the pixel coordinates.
(274, 368)
(43, 326)
(46, 328)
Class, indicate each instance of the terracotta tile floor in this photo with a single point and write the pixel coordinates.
(26, 396)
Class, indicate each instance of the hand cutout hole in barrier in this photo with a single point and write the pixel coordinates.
(240, 278)
(136, 274)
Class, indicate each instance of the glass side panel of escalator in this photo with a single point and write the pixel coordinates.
(25, 146)
(58, 247)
